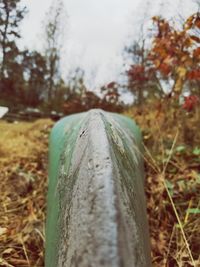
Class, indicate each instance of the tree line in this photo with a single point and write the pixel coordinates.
(28, 78)
(33, 79)
(168, 66)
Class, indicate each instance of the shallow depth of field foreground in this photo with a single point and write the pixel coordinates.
(172, 163)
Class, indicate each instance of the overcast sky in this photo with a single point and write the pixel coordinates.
(97, 31)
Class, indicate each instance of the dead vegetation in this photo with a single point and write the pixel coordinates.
(172, 161)
(23, 176)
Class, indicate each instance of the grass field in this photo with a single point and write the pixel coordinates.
(23, 182)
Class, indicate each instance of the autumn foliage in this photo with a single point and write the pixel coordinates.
(176, 53)
(138, 73)
(174, 57)
(190, 102)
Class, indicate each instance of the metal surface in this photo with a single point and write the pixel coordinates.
(96, 204)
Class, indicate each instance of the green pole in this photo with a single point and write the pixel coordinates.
(96, 203)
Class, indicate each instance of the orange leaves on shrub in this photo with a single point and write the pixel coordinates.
(176, 53)
(112, 85)
(196, 53)
(194, 74)
(163, 26)
(190, 102)
(164, 68)
(137, 73)
(181, 76)
(192, 22)
(195, 38)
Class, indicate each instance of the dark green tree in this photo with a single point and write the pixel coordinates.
(11, 14)
(34, 73)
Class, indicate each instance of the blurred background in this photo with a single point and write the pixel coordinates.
(65, 56)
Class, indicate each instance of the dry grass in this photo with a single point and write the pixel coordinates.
(23, 163)
(173, 183)
(173, 186)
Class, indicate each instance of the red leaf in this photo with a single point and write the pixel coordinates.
(190, 102)
(194, 75)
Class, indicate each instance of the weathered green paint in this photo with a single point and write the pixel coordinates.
(65, 131)
(96, 206)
